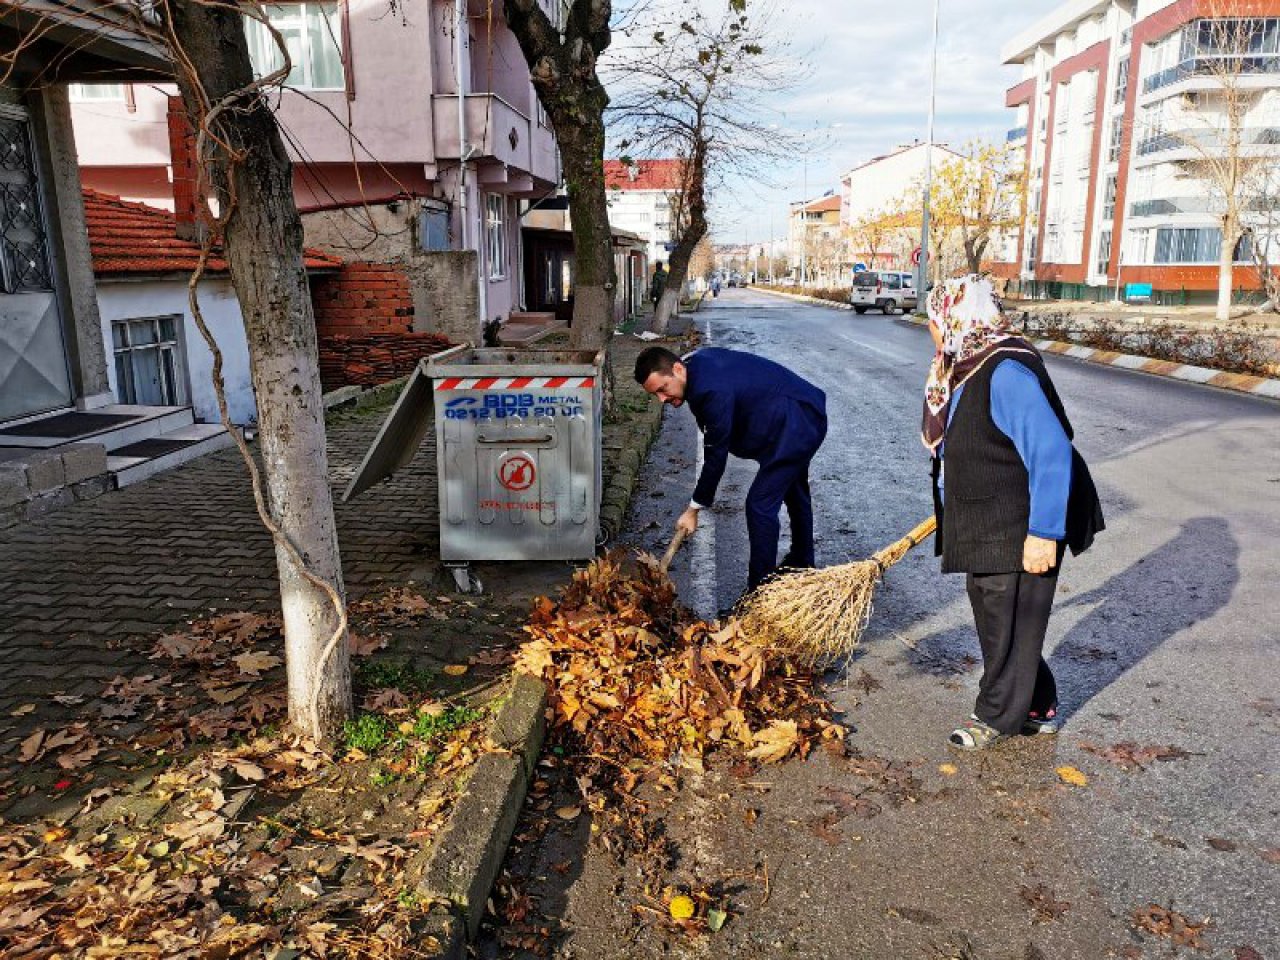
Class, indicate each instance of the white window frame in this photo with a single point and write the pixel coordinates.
(291, 14)
(495, 234)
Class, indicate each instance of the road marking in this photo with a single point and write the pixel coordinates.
(703, 575)
(896, 357)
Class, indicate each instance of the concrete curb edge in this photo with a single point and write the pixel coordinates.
(459, 870)
(620, 486)
(802, 298)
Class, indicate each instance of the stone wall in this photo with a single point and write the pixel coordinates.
(34, 483)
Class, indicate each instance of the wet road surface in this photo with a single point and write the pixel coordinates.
(1165, 642)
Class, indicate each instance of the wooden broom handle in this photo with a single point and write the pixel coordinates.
(676, 543)
(911, 540)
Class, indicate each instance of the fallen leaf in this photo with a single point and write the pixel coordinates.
(77, 860)
(1221, 844)
(32, 746)
(254, 662)
(1044, 905)
(23, 710)
(364, 644)
(1171, 925)
(54, 834)
(1247, 953)
(775, 742)
(159, 850)
(225, 695)
(716, 919)
(247, 770)
(568, 813)
(455, 670)
(1072, 776)
(948, 769)
(1271, 855)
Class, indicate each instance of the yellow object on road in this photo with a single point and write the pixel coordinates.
(682, 907)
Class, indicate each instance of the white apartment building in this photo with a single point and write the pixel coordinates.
(642, 200)
(1118, 104)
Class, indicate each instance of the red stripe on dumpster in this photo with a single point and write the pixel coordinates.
(588, 382)
(450, 384)
(484, 383)
(555, 382)
(521, 382)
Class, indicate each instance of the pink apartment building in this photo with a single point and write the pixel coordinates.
(417, 139)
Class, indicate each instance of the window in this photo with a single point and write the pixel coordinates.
(1122, 80)
(1196, 245)
(312, 34)
(1117, 139)
(1103, 258)
(495, 231)
(1109, 199)
(96, 92)
(149, 365)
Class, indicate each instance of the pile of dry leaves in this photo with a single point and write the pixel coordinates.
(640, 682)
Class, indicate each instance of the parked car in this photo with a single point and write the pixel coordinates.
(736, 280)
(883, 290)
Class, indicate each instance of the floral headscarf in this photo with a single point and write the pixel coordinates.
(974, 328)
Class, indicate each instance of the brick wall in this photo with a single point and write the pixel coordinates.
(363, 298)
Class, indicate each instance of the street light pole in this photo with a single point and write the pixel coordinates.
(922, 280)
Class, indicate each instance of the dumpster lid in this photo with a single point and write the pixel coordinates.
(401, 435)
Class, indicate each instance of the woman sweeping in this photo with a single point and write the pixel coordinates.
(1011, 494)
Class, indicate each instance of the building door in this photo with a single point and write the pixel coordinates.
(33, 357)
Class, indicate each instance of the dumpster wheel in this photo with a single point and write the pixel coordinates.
(464, 581)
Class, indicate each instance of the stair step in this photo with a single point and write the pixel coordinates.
(139, 461)
(113, 426)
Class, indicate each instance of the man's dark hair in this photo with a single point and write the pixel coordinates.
(654, 360)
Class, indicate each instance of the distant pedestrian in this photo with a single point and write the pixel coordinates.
(758, 410)
(658, 284)
(715, 285)
(1011, 494)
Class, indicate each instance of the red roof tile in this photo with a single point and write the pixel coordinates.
(824, 204)
(128, 237)
(643, 174)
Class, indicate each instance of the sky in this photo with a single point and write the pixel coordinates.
(868, 71)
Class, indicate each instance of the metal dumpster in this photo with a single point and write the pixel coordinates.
(517, 450)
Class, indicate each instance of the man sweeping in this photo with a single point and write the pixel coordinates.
(756, 410)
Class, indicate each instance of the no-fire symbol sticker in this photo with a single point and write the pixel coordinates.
(518, 472)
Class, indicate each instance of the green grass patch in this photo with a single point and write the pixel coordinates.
(367, 732)
(401, 674)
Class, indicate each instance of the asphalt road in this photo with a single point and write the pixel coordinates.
(1165, 635)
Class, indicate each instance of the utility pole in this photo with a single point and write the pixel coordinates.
(922, 279)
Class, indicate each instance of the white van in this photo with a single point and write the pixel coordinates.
(883, 290)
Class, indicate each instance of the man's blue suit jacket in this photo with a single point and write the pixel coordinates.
(750, 407)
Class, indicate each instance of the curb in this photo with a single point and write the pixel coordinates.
(802, 298)
(1189, 373)
(355, 397)
(617, 494)
(458, 872)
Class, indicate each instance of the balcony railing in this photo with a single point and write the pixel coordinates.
(1016, 134)
(1205, 140)
(1168, 206)
(1207, 66)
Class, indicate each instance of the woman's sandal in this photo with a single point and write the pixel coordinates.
(1036, 725)
(973, 734)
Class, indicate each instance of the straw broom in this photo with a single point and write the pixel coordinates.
(817, 616)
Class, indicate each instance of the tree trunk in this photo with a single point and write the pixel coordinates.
(594, 276)
(668, 307)
(263, 247)
(1226, 266)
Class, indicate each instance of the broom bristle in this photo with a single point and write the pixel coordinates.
(815, 617)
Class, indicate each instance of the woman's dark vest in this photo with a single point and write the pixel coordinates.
(982, 525)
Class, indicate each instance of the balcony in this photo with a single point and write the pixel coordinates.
(1204, 140)
(1172, 206)
(1016, 134)
(496, 132)
(1208, 66)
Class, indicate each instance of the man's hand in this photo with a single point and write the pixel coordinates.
(688, 521)
(1039, 555)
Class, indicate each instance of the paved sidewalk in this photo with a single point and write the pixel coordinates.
(74, 586)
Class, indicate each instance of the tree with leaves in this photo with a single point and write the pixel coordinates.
(694, 89)
(977, 196)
